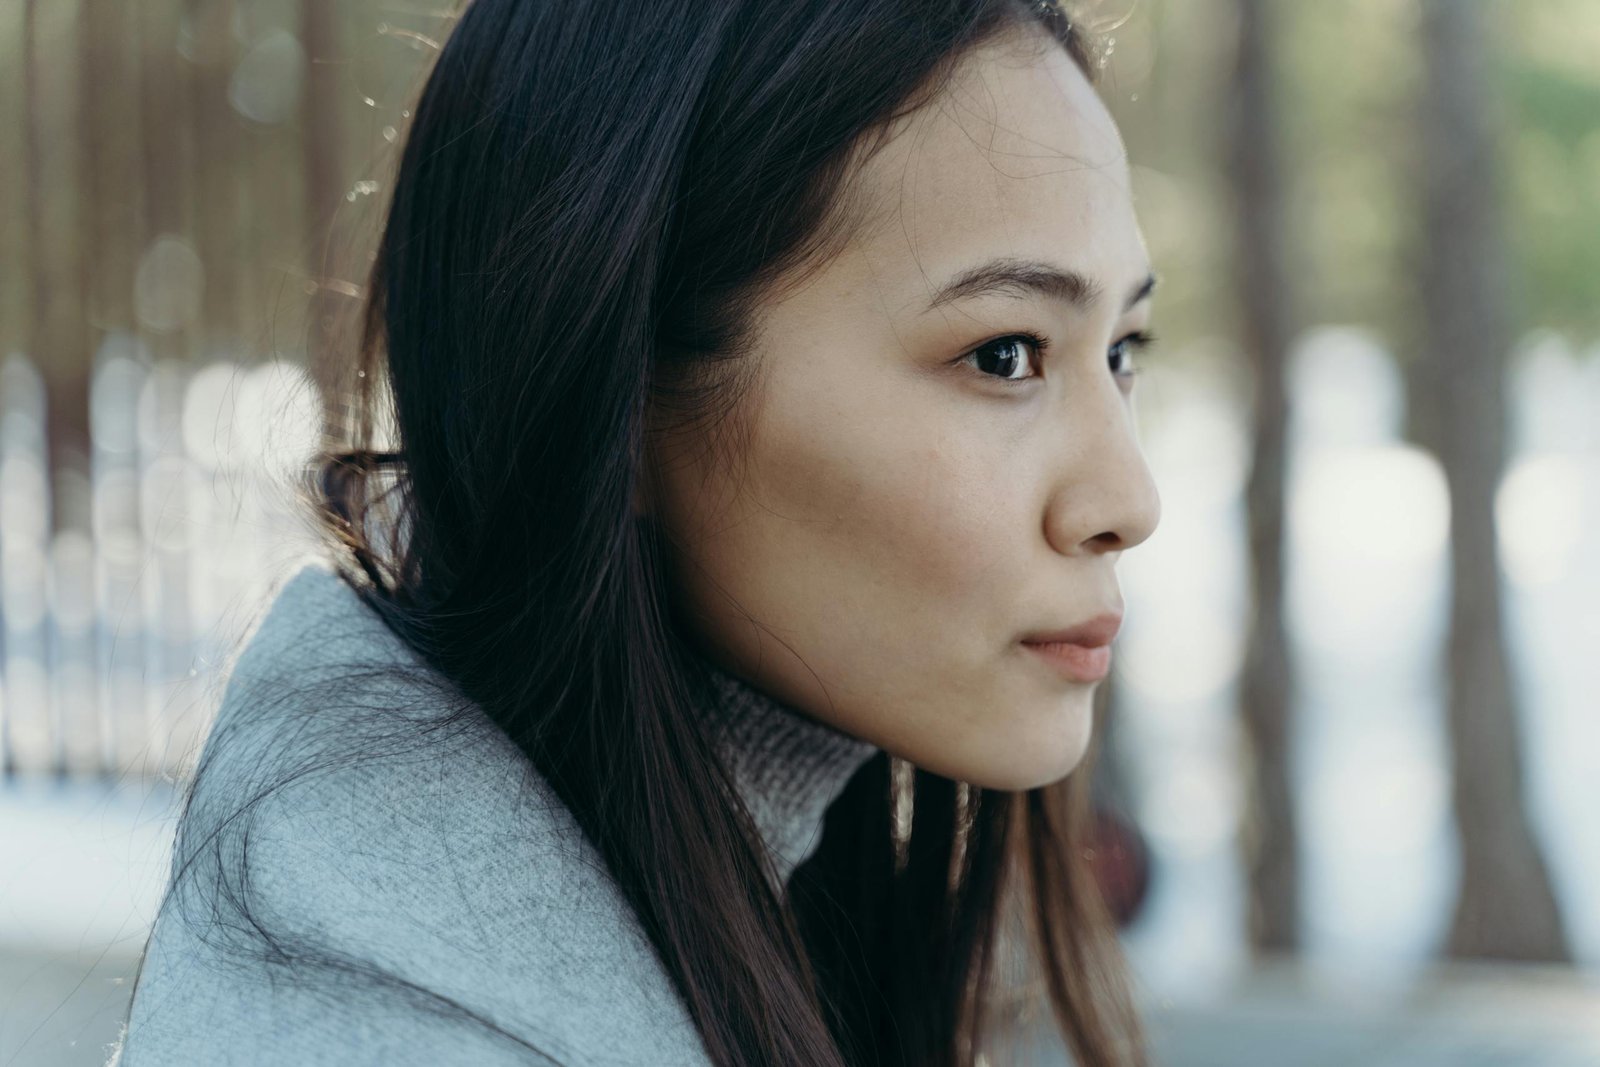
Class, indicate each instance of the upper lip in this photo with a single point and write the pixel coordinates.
(1091, 634)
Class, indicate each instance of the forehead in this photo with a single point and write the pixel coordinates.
(1016, 157)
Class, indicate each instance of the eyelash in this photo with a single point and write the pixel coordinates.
(1139, 339)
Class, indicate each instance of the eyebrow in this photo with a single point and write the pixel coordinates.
(1033, 276)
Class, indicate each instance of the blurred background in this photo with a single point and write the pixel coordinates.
(1351, 739)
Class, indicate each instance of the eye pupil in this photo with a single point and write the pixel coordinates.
(1007, 363)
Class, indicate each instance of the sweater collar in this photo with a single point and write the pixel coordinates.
(787, 766)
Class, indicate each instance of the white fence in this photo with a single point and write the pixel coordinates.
(108, 637)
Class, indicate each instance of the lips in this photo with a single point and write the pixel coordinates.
(1092, 633)
(1082, 652)
(1077, 662)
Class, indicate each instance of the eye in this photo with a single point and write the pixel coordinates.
(1004, 356)
(1139, 339)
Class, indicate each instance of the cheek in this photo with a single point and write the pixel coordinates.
(888, 557)
(914, 529)
(905, 592)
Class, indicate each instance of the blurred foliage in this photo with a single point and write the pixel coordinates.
(1349, 74)
(236, 181)
(1555, 192)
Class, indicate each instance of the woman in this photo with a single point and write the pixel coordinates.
(761, 381)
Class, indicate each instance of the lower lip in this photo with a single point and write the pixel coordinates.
(1077, 662)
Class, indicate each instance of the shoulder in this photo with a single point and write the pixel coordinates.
(354, 862)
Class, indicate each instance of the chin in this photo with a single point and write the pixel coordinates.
(1026, 762)
(1030, 776)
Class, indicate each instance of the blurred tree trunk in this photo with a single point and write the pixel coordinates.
(216, 181)
(14, 279)
(15, 324)
(58, 338)
(1505, 906)
(163, 114)
(107, 119)
(1110, 787)
(322, 191)
(1265, 319)
(1121, 863)
(167, 301)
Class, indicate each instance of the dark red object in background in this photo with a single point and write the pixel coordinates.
(1120, 860)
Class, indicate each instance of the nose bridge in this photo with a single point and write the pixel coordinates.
(1103, 496)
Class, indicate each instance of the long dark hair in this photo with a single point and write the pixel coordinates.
(591, 199)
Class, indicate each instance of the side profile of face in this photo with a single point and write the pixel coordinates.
(922, 487)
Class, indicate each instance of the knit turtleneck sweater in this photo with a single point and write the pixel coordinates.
(432, 901)
(787, 766)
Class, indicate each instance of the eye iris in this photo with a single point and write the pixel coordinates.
(1124, 348)
(1007, 364)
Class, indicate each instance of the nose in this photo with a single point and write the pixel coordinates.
(1103, 497)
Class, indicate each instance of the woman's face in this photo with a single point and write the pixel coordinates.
(904, 514)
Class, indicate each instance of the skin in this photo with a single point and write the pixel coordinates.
(899, 517)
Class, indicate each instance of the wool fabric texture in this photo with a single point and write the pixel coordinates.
(453, 910)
